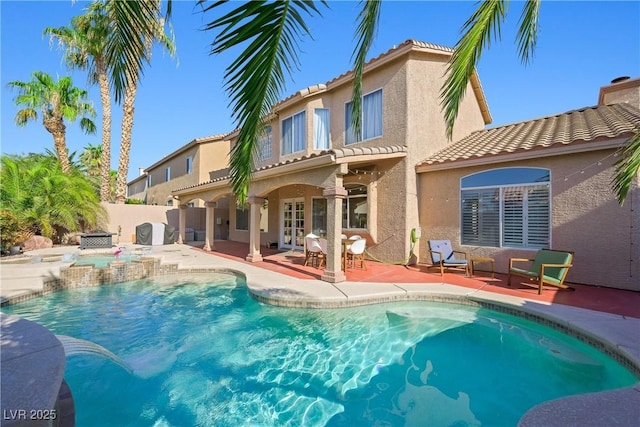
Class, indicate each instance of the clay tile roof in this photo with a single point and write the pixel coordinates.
(585, 125)
(338, 153)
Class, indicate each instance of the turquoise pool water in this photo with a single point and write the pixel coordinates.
(205, 354)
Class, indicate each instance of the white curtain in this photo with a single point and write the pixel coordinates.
(287, 135)
(300, 131)
(372, 115)
(321, 129)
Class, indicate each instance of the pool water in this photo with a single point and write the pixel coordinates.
(209, 355)
(103, 261)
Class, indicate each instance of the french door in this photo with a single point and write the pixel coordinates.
(292, 230)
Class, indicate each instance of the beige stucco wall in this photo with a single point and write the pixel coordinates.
(586, 218)
(125, 218)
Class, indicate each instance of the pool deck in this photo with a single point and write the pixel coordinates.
(281, 279)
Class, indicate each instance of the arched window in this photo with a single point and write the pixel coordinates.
(355, 207)
(507, 207)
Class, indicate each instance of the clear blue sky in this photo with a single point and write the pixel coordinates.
(581, 47)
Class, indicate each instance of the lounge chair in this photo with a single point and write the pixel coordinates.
(443, 256)
(549, 267)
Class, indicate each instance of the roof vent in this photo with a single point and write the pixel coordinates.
(620, 79)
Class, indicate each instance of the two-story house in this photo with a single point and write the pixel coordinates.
(314, 174)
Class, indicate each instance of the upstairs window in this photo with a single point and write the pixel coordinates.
(321, 129)
(264, 145)
(507, 207)
(371, 123)
(167, 174)
(294, 133)
(189, 167)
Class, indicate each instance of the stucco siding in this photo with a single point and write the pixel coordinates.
(585, 218)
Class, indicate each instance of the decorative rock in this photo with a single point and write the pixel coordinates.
(37, 242)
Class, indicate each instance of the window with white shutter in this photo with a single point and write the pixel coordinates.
(507, 207)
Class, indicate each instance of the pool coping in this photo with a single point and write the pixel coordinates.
(616, 335)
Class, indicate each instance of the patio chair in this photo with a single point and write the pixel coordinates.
(549, 267)
(443, 256)
(314, 253)
(356, 251)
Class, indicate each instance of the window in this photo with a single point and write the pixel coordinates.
(242, 218)
(319, 216)
(321, 129)
(264, 144)
(371, 125)
(507, 207)
(355, 207)
(294, 134)
(148, 180)
(189, 167)
(167, 174)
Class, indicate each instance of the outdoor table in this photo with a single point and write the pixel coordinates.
(485, 260)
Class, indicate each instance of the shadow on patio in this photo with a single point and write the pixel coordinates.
(291, 263)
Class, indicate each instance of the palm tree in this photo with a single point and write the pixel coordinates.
(56, 101)
(85, 44)
(91, 160)
(130, 91)
(43, 199)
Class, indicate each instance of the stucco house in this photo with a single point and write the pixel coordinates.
(199, 160)
(549, 177)
(508, 191)
(313, 174)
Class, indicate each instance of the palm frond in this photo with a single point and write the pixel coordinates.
(479, 31)
(369, 18)
(627, 167)
(270, 33)
(132, 22)
(528, 30)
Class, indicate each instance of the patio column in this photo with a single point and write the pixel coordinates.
(210, 223)
(182, 223)
(255, 204)
(333, 272)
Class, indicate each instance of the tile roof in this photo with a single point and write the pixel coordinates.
(586, 124)
(338, 153)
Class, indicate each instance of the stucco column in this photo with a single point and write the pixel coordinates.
(210, 224)
(333, 272)
(254, 228)
(182, 223)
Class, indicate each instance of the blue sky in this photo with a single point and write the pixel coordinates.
(581, 47)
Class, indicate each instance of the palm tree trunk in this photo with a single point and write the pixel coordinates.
(57, 129)
(125, 144)
(105, 162)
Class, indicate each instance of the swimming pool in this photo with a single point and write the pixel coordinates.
(204, 354)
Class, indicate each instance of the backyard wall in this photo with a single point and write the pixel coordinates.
(127, 217)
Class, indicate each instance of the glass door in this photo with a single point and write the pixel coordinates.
(292, 235)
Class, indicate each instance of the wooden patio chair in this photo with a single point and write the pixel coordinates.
(549, 267)
(443, 256)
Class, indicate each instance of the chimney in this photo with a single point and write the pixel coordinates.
(622, 89)
(140, 171)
